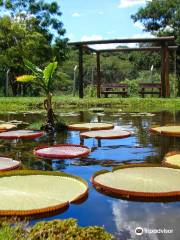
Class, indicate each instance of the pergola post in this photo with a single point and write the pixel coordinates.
(98, 83)
(165, 70)
(81, 82)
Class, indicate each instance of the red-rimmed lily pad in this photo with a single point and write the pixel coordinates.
(115, 133)
(7, 164)
(139, 181)
(30, 193)
(20, 134)
(6, 126)
(172, 131)
(90, 126)
(62, 151)
(172, 159)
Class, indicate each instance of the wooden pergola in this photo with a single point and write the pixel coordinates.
(163, 45)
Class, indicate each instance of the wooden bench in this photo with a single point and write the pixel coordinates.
(150, 88)
(119, 89)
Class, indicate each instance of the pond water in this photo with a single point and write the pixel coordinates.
(120, 217)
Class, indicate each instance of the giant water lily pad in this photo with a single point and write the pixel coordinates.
(90, 126)
(6, 126)
(173, 131)
(20, 134)
(8, 164)
(115, 133)
(172, 159)
(29, 192)
(62, 151)
(139, 181)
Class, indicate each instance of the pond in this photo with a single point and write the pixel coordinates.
(120, 217)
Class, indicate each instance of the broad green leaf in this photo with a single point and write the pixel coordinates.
(36, 70)
(48, 72)
(26, 78)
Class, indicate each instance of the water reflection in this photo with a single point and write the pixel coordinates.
(118, 216)
(130, 215)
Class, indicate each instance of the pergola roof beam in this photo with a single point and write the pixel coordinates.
(135, 49)
(125, 40)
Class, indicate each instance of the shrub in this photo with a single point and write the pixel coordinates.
(67, 229)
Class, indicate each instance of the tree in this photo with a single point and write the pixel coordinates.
(161, 17)
(43, 79)
(38, 14)
(18, 42)
(29, 26)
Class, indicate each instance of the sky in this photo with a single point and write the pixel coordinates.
(101, 19)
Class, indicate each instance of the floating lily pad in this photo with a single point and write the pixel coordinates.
(6, 126)
(16, 122)
(8, 164)
(90, 126)
(115, 133)
(172, 160)
(70, 114)
(62, 151)
(96, 110)
(20, 134)
(24, 193)
(139, 181)
(173, 131)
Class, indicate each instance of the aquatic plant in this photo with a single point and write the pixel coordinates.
(44, 80)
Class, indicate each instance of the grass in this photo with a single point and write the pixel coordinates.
(35, 104)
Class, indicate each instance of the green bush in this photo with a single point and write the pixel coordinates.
(14, 232)
(90, 91)
(67, 229)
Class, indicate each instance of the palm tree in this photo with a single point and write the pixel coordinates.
(44, 80)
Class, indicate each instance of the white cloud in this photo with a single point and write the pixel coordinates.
(76, 14)
(98, 46)
(139, 25)
(114, 45)
(127, 216)
(143, 35)
(139, 35)
(130, 3)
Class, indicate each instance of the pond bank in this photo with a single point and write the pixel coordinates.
(20, 104)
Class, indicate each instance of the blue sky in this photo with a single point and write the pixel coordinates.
(101, 19)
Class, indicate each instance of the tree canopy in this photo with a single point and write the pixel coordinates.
(29, 29)
(161, 17)
(39, 14)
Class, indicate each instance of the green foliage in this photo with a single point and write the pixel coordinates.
(42, 79)
(62, 83)
(161, 17)
(90, 91)
(57, 229)
(34, 27)
(67, 230)
(26, 78)
(12, 233)
(18, 42)
(24, 104)
(38, 14)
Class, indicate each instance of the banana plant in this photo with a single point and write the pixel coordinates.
(44, 80)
